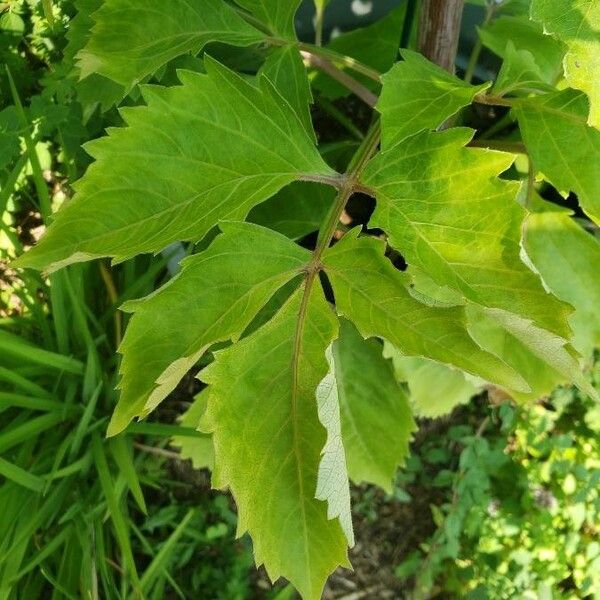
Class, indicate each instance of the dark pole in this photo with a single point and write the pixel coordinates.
(439, 30)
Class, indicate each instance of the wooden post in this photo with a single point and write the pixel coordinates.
(439, 30)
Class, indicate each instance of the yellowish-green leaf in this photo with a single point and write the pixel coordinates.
(214, 298)
(445, 210)
(202, 152)
(262, 412)
(372, 294)
(562, 145)
(435, 389)
(525, 35)
(577, 24)
(377, 423)
(197, 449)
(133, 38)
(418, 94)
(568, 259)
(520, 73)
(543, 359)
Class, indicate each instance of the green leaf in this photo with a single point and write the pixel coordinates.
(296, 210)
(332, 480)
(285, 69)
(418, 94)
(568, 259)
(220, 291)
(377, 423)
(133, 38)
(95, 88)
(519, 73)
(435, 389)
(199, 153)
(577, 24)
(197, 449)
(444, 209)
(277, 15)
(371, 293)
(375, 46)
(542, 358)
(262, 412)
(525, 35)
(562, 145)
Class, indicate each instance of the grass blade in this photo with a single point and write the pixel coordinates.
(121, 452)
(116, 515)
(21, 476)
(162, 558)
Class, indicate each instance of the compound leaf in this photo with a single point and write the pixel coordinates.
(377, 423)
(562, 145)
(577, 24)
(131, 39)
(418, 94)
(219, 291)
(268, 439)
(372, 294)
(198, 153)
(444, 209)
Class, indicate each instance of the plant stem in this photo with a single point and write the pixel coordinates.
(439, 30)
(350, 179)
(331, 55)
(316, 48)
(361, 157)
(337, 58)
(336, 181)
(492, 100)
(319, 25)
(340, 76)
